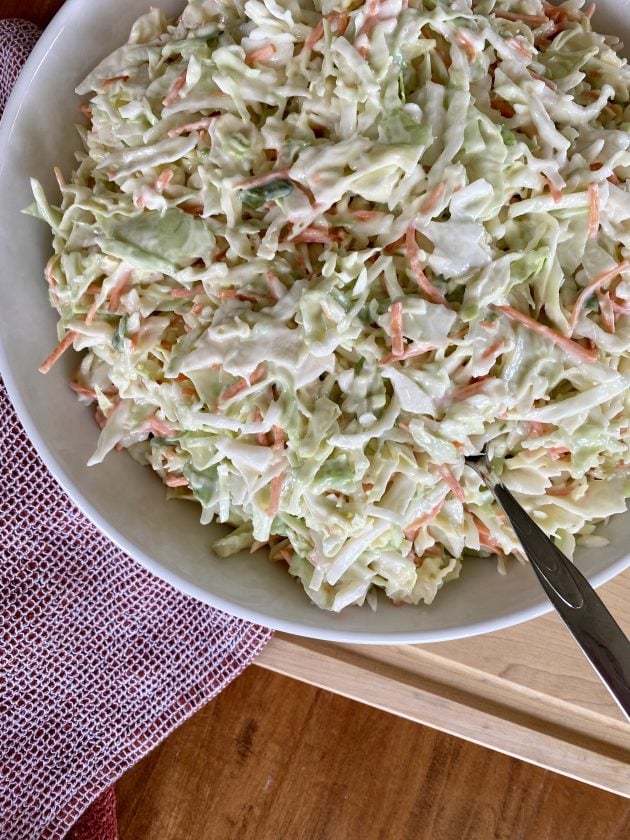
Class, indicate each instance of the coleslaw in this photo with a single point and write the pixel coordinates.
(316, 254)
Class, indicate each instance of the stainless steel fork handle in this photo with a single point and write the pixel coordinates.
(579, 605)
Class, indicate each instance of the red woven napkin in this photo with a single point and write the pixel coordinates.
(99, 659)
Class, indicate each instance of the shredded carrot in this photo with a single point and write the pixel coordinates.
(86, 110)
(99, 418)
(561, 341)
(486, 540)
(315, 234)
(451, 481)
(593, 209)
(233, 390)
(117, 291)
(493, 349)
(520, 48)
(107, 82)
(433, 198)
(276, 490)
(59, 350)
(607, 311)
(261, 437)
(82, 391)
(590, 10)
(503, 107)
(556, 193)
(317, 32)
(394, 246)
(533, 19)
(413, 255)
(173, 94)
(198, 125)
(176, 480)
(192, 209)
(593, 287)
(559, 491)
(536, 429)
(279, 438)
(417, 349)
(412, 530)
(613, 179)
(158, 427)
(275, 286)
(367, 486)
(286, 554)
(342, 19)
(91, 313)
(550, 84)
(398, 346)
(243, 383)
(164, 179)
(255, 546)
(261, 180)
(467, 45)
(470, 390)
(261, 54)
(195, 290)
(557, 453)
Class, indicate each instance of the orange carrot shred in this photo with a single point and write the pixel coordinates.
(556, 193)
(398, 347)
(59, 350)
(164, 179)
(173, 94)
(117, 291)
(176, 480)
(467, 45)
(607, 311)
(593, 287)
(451, 481)
(561, 341)
(559, 491)
(315, 35)
(261, 180)
(261, 54)
(520, 48)
(195, 290)
(198, 125)
(411, 531)
(593, 209)
(433, 198)
(469, 390)
(276, 490)
(413, 255)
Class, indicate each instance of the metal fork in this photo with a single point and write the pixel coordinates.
(580, 607)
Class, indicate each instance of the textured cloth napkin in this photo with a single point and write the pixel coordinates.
(99, 659)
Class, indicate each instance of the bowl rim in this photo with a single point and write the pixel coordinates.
(9, 120)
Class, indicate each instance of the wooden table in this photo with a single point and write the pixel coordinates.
(527, 691)
(275, 758)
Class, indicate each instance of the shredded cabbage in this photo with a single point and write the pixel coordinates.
(316, 254)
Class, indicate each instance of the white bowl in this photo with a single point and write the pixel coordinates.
(125, 500)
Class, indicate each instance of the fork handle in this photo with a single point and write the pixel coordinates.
(580, 607)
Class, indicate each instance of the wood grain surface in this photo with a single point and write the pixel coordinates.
(273, 759)
(527, 690)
